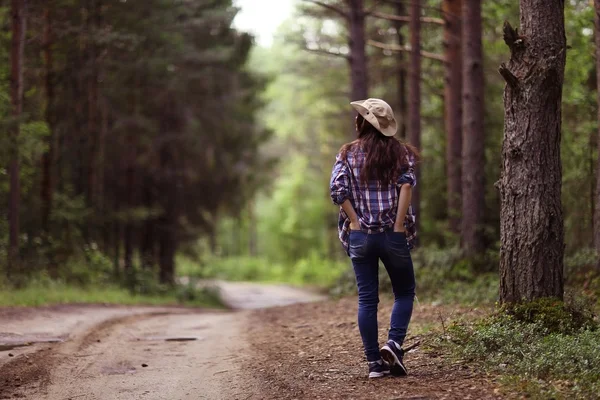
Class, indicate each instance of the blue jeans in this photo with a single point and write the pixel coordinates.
(365, 251)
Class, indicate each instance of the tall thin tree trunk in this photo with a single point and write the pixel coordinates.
(596, 203)
(453, 108)
(531, 218)
(92, 103)
(473, 185)
(16, 93)
(359, 79)
(358, 64)
(414, 105)
(401, 75)
(48, 157)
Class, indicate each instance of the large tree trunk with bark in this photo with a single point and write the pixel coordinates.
(453, 108)
(596, 224)
(414, 105)
(473, 184)
(16, 94)
(531, 226)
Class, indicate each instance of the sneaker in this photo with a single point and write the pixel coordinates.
(378, 369)
(393, 354)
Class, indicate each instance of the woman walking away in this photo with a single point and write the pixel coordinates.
(372, 182)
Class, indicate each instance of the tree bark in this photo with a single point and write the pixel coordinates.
(453, 108)
(94, 20)
(358, 58)
(16, 93)
(596, 224)
(473, 156)
(414, 105)
(531, 226)
(48, 156)
(401, 74)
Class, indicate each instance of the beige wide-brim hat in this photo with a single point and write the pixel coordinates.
(379, 114)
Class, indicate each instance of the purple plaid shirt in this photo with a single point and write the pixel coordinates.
(375, 205)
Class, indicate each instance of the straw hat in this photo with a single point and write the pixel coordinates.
(379, 114)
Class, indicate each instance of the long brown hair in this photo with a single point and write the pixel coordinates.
(385, 156)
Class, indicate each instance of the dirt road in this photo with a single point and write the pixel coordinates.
(105, 353)
(270, 347)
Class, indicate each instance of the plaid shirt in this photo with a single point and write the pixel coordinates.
(375, 205)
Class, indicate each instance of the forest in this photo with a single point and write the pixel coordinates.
(136, 155)
(145, 142)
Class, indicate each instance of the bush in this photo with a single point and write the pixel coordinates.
(553, 315)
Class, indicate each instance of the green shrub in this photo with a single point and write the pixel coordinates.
(545, 349)
(553, 315)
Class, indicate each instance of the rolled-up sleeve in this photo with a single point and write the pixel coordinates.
(409, 175)
(339, 185)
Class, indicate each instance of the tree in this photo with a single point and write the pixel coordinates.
(596, 223)
(48, 157)
(473, 188)
(16, 93)
(531, 257)
(414, 103)
(453, 108)
(401, 73)
(354, 16)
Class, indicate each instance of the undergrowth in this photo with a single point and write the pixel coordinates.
(547, 349)
(311, 270)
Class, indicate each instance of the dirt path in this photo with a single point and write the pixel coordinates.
(314, 351)
(298, 351)
(104, 353)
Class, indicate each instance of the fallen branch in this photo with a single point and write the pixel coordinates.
(395, 47)
(412, 346)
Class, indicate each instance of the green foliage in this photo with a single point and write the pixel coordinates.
(43, 291)
(553, 315)
(310, 270)
(546, 349)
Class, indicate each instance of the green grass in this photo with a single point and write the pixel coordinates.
(50, 293)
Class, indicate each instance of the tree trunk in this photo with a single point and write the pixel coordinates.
(453, 108)
(473, 185)
(16, 94)
(131, 187)
(531, 220)
(358, 57)
(167, 251)
(596, 224)
(92, 104)
(48, 157)
(414, 105)
(401, 114)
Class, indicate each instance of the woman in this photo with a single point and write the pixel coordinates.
(372, 181)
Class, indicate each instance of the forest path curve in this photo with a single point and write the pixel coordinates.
(115, 352)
